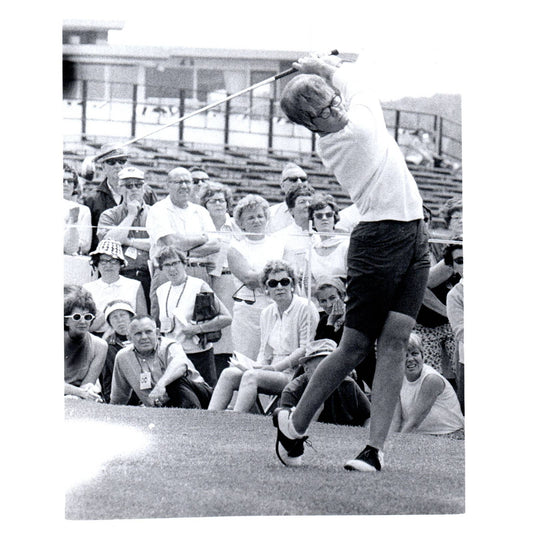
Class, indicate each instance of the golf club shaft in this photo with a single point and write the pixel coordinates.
(272, 79)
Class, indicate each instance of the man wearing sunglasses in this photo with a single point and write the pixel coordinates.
(388, 259)
(280, 216)
(108, 193)
(116, 223)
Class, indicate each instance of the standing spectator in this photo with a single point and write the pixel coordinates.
(78, 233)
(199, 178)
(118, 315)
(176, 221)
(295, 237)
(329, 251)
(109, 259)
(217, 199)
(107, 194)
(279, 215)
(176, 301)
(84, 353)
(116, 224)
(157, 371)
(455, 311)
(247, 256)
(452, 213)
(428, 404)
(287, 325)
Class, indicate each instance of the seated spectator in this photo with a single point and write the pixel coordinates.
(455, 311)
(218, 201)
(427, 404)
(109, 259)
(78, 233)
(247, 256)
(279, 215)
(329, 252)
(84, 353)
(287, 325)
(330, 293)
(432, 322)
(176, 301)
(347, 405)
(157, 371)
(115, 224)
(421, 150)
(118, 315)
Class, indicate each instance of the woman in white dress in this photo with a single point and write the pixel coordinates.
(247, 256)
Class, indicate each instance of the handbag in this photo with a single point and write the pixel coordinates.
(205, 309)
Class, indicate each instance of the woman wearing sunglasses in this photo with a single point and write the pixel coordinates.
(84, 353)
(328, 255)
(247, 256)
(287, 324)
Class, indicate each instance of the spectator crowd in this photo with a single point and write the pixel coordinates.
(191, 301)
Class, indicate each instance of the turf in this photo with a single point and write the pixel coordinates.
(198, 464)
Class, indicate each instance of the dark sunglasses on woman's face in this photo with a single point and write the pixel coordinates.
(320, 216)
(239, 299)
(274, 282)
(77, 317)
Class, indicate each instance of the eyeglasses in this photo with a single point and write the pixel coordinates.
(77, 317)
(326, 112)
(180, 182)
(113, 162)
(69, 180)
(131, 186)
(320, 216)
(238, 299)
(274, 282)
(216, 201)
(294, 179)
(170, 265)
(458, 260)
(111, 261)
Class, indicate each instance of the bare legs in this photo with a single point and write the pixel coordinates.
(354, 346)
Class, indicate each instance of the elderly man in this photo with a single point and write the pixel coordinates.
(132, 212)
(108, 194)
(157, 371)
(280, 217)
(177, 221)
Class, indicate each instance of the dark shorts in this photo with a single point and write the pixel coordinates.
(388, 266)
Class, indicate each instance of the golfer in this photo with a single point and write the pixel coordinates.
(388, 254)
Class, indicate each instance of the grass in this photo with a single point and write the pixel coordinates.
(204, 464)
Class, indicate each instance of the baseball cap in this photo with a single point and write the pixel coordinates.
(291, 170)
(132, 173)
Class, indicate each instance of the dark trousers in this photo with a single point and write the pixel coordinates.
(187, 394)
(144, 277)
(204, 362)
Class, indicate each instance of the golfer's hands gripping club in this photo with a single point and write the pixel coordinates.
(324, 65)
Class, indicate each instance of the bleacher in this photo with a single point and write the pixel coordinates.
(256, 170)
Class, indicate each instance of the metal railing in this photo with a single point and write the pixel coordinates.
(118, 109)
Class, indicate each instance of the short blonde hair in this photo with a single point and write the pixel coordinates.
(250, 201)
